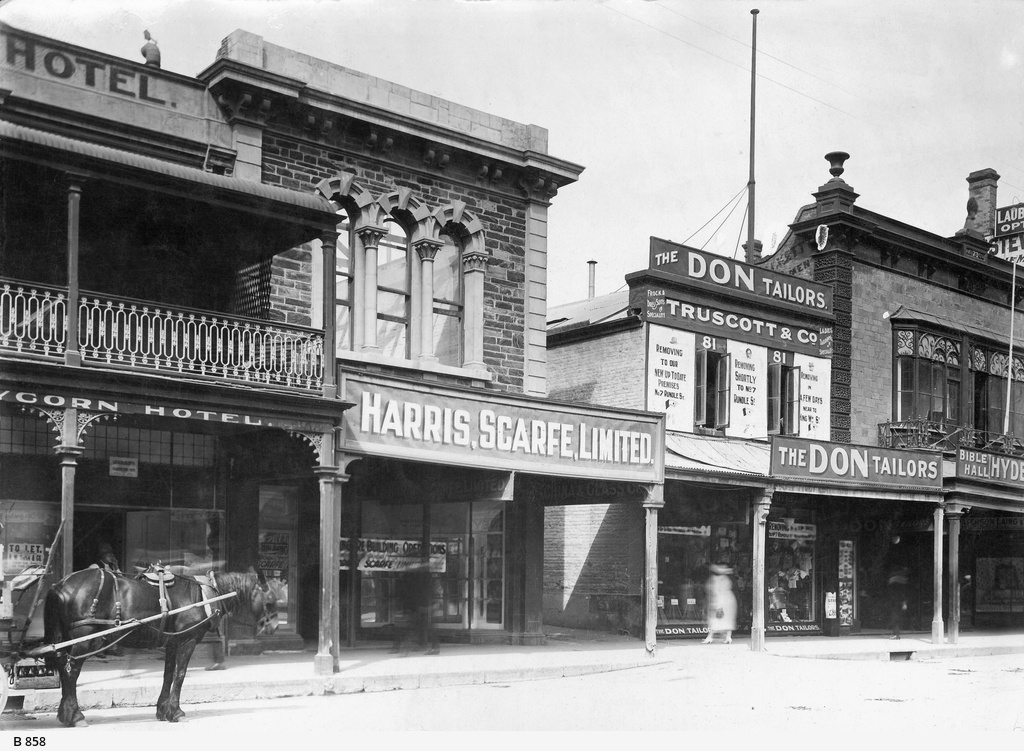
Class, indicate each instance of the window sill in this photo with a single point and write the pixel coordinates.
(419, 366)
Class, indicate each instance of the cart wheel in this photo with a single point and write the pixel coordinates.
(5, 685)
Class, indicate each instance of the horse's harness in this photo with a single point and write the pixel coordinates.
(162, 578)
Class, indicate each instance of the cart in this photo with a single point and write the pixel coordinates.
(20, 595)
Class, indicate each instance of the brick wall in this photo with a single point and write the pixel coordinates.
(876, 291)
(593, 566)
(608, 370)
(295, 161)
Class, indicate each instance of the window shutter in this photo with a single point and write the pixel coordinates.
(723, 383)
(793, 401)
(700, 416)
(774, 398)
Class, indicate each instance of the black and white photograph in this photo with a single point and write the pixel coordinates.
(490, 370)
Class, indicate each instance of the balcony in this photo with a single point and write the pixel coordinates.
(149, 337)
(929, 434)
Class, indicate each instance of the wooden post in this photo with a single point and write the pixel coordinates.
(955, 514)
(937, 628)
(68, 451)
(328, 243)
(326, 660)
(654, 501)
(762, 506)
(72, 355)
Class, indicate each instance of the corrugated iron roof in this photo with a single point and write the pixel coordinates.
(720, 455)
(588, 312)
(308, 201)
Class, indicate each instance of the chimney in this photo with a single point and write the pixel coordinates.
(590, 289)
(753, 255)
(982, 190)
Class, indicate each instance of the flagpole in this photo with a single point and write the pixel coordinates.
(1009, 362)
(750, 181)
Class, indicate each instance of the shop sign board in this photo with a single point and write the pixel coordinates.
(790, 530)
(418, 422)
(668, 308)
(973, 464)
(123, 466)
(802, 459)
(720, 273)
(52, 400)
(993, 523)
(1010, 220)
(380, 554)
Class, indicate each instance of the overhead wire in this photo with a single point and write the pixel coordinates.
(730, 62)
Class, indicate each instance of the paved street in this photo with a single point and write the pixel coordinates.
(737, 690)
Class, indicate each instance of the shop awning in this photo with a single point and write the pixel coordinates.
(731, 456)
(70, 153)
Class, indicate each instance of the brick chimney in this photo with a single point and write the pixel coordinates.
(753, 255)
(982, 190)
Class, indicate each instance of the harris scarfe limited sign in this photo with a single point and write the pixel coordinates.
(851, 464)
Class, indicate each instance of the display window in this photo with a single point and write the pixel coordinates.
(466, 562)
(694, 533)
(789, 573)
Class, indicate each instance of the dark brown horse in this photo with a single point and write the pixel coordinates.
(96, 600)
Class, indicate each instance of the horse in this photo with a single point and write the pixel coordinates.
(97, 600)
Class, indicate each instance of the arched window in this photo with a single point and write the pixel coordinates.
(393, 291)
(446, 324)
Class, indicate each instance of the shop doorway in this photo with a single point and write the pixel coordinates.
(94, 529)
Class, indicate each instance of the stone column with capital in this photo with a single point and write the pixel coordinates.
(937, 626)
(370, 238)
(427, 251)
(761, 507)
(473, 267)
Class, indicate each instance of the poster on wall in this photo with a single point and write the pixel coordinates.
(815, 393)
(846, 582)
(393, 556)
(670, 374)
(749, 388)
(27, 530)
(1000, 585)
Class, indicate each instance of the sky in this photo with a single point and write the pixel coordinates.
(653, 99)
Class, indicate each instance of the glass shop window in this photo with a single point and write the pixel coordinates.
(789, 571)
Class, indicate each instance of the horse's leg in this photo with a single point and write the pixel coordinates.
(183, 654)
(68, 669)
(170, 651)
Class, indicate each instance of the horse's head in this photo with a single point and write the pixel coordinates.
(264, 606)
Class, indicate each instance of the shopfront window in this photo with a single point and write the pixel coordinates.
(466, 560)
(693, 534)
(789, 572)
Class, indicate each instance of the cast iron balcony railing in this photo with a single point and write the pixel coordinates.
(118, 332)
(930, 434)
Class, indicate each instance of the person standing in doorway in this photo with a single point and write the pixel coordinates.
(721, 604)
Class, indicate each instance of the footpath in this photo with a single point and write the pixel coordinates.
(134, 679)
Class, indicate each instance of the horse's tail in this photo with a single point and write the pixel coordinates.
(54, 620)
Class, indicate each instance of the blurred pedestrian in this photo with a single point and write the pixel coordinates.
(899, 577)
(415, 590)
(721, 604)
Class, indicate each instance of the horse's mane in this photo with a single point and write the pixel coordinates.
(234, 581)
